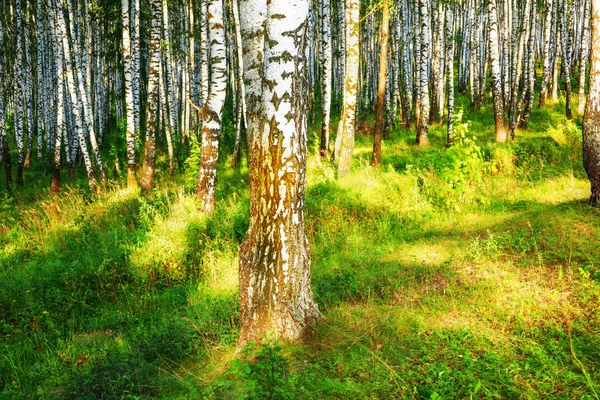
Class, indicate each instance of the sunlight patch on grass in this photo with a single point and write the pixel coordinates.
(166, 246)
(421, 252)
(556, 190)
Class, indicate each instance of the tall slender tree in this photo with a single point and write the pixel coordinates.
(326, 72)
(344, 146)
(450, 70)
(130, 126)
(583, 59)
(500, 123)
(381, 86)
(148, 167)
(423, 117)
(212, 111)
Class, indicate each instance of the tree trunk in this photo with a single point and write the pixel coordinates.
(547, 52)
(241, 86)
(275, 292)
(423, 125)
(18, 113)
(450, 71)
(566, 61)
(3, 141)
(130, 126)
(346, 129)
(381, 85)
(212, 112)
(585, 35)
(501, 131)
(591, 120)
(148, 167)
(326, 65)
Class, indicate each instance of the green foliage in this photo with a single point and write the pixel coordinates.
(464, 272)
(266, 372)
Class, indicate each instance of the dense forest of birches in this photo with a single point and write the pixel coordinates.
(71, 71)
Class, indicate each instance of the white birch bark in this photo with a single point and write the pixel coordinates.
(71, 87)
(591, 119)
(583, 59)
(212, 112)
(275, 292)
(345, 149)
(128, 69)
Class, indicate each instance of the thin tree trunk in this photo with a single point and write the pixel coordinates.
(326, 71)
(212, 112)
(148, 167)
(130, 127)
(346, 129)
(584, 56)
(275, 292)
(240, 85)
(547, 52)
(450, 70)
(566, 61)
(381, 85)
(19, 93)
(423, 125)
(3, 141)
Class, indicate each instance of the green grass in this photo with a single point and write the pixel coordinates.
(470, 272)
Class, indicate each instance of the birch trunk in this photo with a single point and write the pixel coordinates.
(423, 124)
(130, 126)
(346, 129)
(19, 93)
(148, 167)
(584, 56)
(275, 292)
(591, 120)
(3, 140)
(547, 52)
(381, 85)
(212, 112)
(450, 71)
(241, 86)
(326, 71)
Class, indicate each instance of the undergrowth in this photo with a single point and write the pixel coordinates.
(464, 272)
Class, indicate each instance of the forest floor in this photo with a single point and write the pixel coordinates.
(468, 272)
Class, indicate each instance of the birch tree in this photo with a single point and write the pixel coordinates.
(381, 86)
(326, 72)
(344, 146)
(591, 119)
(275, 292)
(500, 124)
(423, 117)
(585, 36)
(3, 141)
(450, 70)
(212, 112)
(130, 126)
(148, 167)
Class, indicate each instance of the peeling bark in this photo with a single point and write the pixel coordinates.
(275, 293)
